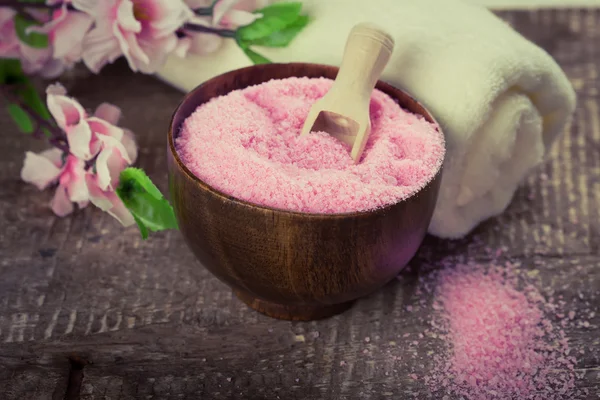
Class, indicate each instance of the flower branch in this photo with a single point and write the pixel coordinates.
(206, 11)
(226, 33)
(40, 125)
(21, 5)
(90, 157)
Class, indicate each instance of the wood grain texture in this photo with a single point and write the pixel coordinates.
(291, 265)
(156, 326)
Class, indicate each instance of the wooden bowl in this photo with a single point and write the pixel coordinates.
(292, 265)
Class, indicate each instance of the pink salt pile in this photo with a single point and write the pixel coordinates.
(501, 342)
(247, 145)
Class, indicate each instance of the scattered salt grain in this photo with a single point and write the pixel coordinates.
(501, 344)
(247, 145)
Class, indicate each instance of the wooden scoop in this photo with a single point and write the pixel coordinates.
(344, 111)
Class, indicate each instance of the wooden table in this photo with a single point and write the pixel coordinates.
(88, 310)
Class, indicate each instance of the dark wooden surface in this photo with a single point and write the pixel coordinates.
(291, 265)
(86, 305)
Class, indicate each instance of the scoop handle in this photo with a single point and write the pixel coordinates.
(367, 52)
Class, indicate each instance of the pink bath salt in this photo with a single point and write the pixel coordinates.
(500, 341)
(247, 144)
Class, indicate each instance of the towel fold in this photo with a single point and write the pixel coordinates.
(500, 99)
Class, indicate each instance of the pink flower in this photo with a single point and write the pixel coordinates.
(117, 150)
(66, 30)
(107, 148)
(47, 168)
(235, 13)
(72, 119)
(9, 42)
(109, 201)
(141, 30)
(104, 124)
(33, 60)
(227, 14)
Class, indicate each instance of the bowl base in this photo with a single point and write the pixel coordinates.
(291, 312)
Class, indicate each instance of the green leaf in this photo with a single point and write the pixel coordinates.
(142, 227)
(289, 9)
(21, 118)
(283, 37)
(151, 211)
(255, 57)
(11, 72)
(275, 18)
(31, 97)
(33, 39)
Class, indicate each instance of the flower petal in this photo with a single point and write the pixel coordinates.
(126, 17)
(66, 111)
(183, 46)
(9, 42)
(52, 69)
(33, 60)
(111, 203)
(56, 89)
(58, 16)
(97, 196)
(108, 112)
(55, 155)
(77, 190)
(221, 8)
(131, 49)
(102, 171)
(156, 51)
(102, 127)
(237, 18)
(73, 179)
(60, 204)
(113, 158)
(87, 6)
(204, 43)
(100, 47)
(79, 138)
(166, 16)
(130, 145)
(68, 36)
(6, 15)
(39, 170)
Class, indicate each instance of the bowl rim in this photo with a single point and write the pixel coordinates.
(225, 197)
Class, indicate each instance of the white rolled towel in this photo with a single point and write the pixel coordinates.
(500, 99)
